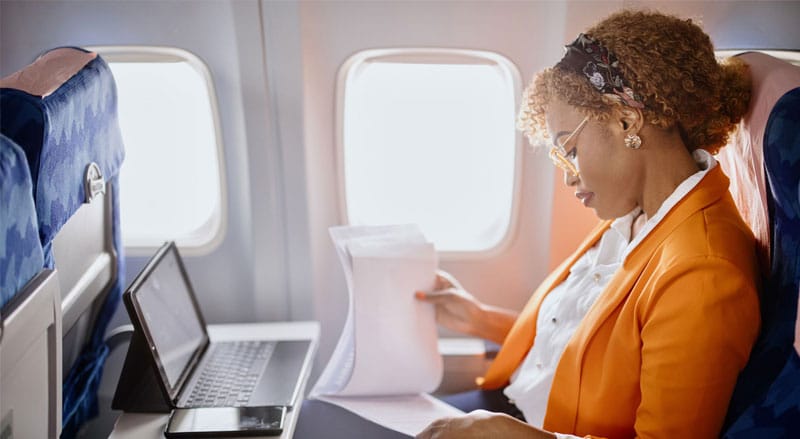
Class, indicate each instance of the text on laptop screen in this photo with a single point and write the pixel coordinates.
(168, 311)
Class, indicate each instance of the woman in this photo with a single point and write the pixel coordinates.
(643, 331)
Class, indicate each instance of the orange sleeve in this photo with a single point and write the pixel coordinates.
(698, 328)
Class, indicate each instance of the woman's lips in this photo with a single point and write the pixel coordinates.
(585, 197)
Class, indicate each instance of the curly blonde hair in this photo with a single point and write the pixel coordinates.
(670, 63)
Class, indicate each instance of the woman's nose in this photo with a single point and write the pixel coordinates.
(569, 179)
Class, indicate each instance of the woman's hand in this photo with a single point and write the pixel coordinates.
(458, 310)
(482, 424)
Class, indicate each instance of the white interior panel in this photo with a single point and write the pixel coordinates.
(274, 67)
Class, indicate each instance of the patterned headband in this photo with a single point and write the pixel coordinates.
(587, 57)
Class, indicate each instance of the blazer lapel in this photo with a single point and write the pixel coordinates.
(566, 383)
(520, 338)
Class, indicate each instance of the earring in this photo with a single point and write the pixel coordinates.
(633, 141)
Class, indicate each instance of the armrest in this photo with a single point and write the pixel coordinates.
(465, 359)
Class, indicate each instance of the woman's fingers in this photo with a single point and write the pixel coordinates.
(442, 282)
(434, 430)
(447, 280)
(436, 297)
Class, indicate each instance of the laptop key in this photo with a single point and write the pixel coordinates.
(231, 374)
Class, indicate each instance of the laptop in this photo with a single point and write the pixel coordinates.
(194, 371)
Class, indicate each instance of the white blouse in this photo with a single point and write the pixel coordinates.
(563, 309)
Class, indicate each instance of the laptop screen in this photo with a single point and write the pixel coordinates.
(165, 303)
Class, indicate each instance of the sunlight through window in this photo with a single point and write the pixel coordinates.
(432, 144)
(170, 180)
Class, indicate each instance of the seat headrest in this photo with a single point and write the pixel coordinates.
(743, 158)
(64, 122)
(49, 72)
(20, 250)
(766, 155)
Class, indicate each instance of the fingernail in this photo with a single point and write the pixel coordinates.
(419, 294)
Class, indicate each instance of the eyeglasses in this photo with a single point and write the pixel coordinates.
(559, 154)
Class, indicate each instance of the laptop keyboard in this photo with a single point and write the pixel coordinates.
(231, 374)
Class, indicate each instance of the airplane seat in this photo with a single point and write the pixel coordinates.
(763, 161)
(30, 310)
(21, 258)
(62, 111)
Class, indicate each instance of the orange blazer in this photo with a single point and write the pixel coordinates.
(658, 354)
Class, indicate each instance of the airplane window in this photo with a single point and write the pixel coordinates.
(429, 138)
(170, 182)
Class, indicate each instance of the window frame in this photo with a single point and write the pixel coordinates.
(416, 55)
(191, 245)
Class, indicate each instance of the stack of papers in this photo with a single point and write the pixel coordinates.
(387, 357)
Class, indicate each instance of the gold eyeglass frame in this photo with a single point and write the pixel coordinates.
(558, 154)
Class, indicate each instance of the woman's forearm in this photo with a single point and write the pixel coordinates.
(495, 323)
(481, 424)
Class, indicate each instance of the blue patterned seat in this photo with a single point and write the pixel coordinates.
(62, 111)
(766, 402)
(21, 255)
(61, 133)
(30, 323)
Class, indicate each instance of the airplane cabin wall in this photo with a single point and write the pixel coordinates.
(274, 65)
(332, 32)
(242, 279)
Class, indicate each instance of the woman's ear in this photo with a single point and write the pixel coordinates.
(630, 120)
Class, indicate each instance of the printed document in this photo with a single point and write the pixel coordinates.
(387, 356)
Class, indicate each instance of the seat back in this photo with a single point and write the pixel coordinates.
(30, 310)
(62, 111)
(20, 249)
(764, 161)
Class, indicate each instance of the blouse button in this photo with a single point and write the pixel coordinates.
(597, 278)
(554, 320)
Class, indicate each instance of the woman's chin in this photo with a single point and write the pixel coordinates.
(603, 216)
(604, 213)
